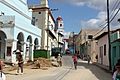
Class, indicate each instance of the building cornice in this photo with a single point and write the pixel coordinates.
(27, 31)
(23, 2)
(15, 9)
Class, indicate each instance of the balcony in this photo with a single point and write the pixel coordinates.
(7, 21)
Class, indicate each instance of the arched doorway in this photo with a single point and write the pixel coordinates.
(36, 44)
(2, 44)
(28, 48)
(20, 41)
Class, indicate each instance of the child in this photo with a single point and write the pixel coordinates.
(75, 60)
(116, 75)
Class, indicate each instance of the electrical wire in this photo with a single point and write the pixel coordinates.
(109, 22)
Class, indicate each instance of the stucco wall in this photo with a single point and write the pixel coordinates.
(101, 42)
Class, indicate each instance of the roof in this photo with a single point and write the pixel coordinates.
(60, 18)
(101, 35)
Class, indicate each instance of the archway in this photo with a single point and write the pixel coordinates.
(28, 47)
(2, 44)
(36, 44)
(20, 41)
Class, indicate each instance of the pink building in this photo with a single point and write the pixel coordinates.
(102, 50)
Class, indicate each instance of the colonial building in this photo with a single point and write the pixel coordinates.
(60, 31)
(86, 43)
(16, 30)
(52, 31)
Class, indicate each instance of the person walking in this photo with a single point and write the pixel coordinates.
(20, 64)
(116, 74)
(2, 75)
(88, 59)
(59, 60)
(114, 68)
(75, 60)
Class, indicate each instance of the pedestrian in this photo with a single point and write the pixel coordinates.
(116, 74)
(88, 59)
(75, 60)
(59, 60)
(114, 69)
(2, 75)
(20, 64)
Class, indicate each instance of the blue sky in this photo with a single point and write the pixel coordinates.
(79, 14)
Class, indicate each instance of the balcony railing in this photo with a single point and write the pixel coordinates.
(7, 21)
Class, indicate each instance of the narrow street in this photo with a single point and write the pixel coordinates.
(66, 72)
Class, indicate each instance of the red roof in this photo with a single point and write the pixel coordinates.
(59, 18)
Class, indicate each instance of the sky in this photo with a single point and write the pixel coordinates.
(80, 14)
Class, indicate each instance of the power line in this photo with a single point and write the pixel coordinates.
(115, 15)
(109, 22)
(114, 8)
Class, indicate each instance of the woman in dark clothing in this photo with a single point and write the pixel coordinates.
(20, 63)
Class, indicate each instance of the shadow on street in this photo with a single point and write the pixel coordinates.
(97, 71)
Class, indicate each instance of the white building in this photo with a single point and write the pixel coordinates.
(16, 30)
(60, 32)
(46, 22)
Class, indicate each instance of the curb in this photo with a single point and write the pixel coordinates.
(105, 68)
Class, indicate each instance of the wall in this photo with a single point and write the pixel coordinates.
(101, 42)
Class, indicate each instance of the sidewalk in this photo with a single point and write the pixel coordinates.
(106, 68)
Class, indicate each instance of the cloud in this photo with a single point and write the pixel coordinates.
(96, 4)
(99, 5)
(101, 19)
(96, 22)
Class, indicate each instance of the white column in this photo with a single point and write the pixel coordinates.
(31, 51)
(14, 47)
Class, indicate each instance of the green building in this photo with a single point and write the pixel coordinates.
(115, 47)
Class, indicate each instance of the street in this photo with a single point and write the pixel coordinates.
(66, 72)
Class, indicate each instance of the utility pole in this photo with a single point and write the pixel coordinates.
(109, 41)
(73, 44)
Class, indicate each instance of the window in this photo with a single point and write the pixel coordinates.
(90, 36)
(105, 50)
(8, 51)
(114, 51)
(33, 21)
(39, 13)
(101, 51)
(60, 25)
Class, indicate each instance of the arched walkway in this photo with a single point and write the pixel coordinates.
(20, 41)
(28, 48)
(2, 44)
(36, 44)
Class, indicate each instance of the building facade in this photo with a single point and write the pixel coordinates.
(115, 47)
(87, 45)
(102, 49)
(52, 31)
(60, 33)
(16, 31)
